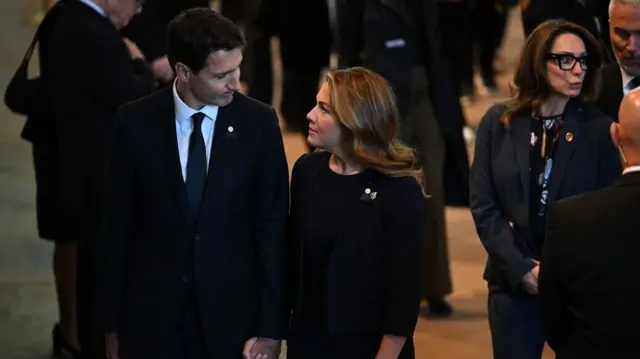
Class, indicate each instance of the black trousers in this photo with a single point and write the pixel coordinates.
(516, 329)
(194, 346)
(490, 17)
(422, 131)
(299, 85)
(299, 90)
(88, 302)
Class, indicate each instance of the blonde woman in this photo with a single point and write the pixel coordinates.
(356, 227)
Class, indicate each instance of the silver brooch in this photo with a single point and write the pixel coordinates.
(368, 195)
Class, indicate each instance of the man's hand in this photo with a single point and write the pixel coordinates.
(134, 51)
(162, 69)
(113, 347)
(530, 280)
(261, 348)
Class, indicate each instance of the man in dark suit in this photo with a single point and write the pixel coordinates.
(198, 199)
(622, 76)
(91, 72)
(400, 40)
(587, 285)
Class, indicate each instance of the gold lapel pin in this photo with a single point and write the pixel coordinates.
(569, 137)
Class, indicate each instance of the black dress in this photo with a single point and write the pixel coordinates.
(309, 336)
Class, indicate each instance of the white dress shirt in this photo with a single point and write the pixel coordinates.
(94, 6)
(626, 82)
(631, 169)
(184, 127)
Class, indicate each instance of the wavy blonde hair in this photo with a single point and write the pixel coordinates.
(365, 106)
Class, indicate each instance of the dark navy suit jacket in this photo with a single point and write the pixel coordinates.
(586, 160)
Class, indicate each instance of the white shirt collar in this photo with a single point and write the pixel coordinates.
(631, 169)
(94, 6)
(626, 81)
(183, 112)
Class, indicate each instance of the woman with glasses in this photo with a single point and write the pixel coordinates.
(545, 144)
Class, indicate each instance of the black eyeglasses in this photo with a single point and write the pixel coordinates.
(567, 62)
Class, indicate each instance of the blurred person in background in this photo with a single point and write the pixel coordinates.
(92, 71)
(622, 76)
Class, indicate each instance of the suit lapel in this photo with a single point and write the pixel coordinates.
(569, 135)
(521, 126)
(616, 89)
(169, 141)
(611, 93)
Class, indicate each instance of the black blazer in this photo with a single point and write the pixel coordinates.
(611, 94)
(500, 182)
(374, 280)
(588, 274)
(237, 240)
(89, 75)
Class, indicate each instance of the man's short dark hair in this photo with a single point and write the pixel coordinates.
(196, 33)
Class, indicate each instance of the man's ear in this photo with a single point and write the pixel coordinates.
(183, 73)
(615, 133)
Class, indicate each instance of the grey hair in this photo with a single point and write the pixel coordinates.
(624, 2)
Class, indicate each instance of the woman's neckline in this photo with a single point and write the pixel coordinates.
(351, 174)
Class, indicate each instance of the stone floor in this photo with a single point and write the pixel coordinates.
(27, 302)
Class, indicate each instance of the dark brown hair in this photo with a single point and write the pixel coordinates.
(196, 33)
(530, 84)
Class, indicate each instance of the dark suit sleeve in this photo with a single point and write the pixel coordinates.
(148, 29)
(404, 230)
(118, 221)
(494, 230)
(609, 164)
(272, 205)
(298, 175)
(553, 309)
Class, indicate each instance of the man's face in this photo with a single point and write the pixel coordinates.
(624, 27)
(120, 12)
(219, 79)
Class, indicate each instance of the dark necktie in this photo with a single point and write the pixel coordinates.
(196, 164)
(634, 83)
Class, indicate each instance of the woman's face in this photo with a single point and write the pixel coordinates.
(324, 130)
(567, 65)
